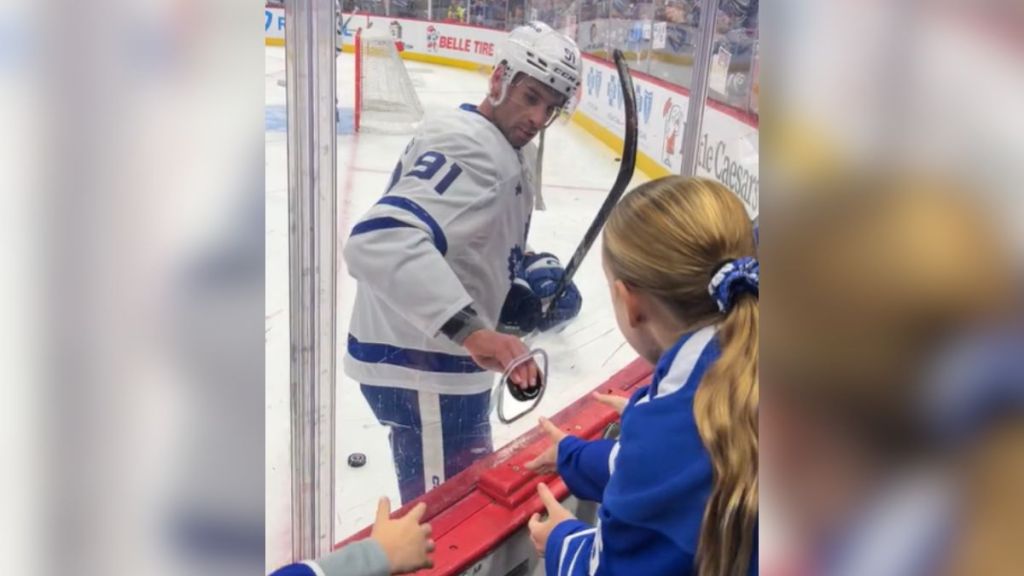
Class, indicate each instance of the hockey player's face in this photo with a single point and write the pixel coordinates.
(528, 107)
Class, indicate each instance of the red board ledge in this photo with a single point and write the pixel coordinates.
(474, 512)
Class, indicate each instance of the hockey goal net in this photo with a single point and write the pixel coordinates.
(386, 100)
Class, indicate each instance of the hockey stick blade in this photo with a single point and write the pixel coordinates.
(621, 181)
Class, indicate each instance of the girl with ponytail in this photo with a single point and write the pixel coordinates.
(679, 490)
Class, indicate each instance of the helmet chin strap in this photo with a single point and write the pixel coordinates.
(495, 102)
(506, 81)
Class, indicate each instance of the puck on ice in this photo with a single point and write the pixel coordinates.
(356, 460)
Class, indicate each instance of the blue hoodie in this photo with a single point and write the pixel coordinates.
(653, 484)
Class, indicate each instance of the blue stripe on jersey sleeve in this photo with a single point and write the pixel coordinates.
(440, 241)
(381, 223)
(373, 353)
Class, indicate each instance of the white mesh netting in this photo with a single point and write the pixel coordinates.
(388, 99)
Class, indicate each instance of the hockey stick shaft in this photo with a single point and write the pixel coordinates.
(621, 182)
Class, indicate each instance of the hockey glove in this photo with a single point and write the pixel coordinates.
(521, 311)
(543, 272)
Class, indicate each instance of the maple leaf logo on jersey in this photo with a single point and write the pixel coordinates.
(515, 262)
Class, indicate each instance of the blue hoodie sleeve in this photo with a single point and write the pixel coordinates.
(613, 547)
(568, 548)
(584, 466)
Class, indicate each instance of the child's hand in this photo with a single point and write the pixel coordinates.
(618, 403)
(541, 529)
(547, 462)
(405, 541)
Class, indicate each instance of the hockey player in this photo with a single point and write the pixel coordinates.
(442, 259)
(678, 491)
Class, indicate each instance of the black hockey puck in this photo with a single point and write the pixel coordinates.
(357, 460)
(522, 394)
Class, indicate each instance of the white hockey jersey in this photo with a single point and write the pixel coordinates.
(449, 231)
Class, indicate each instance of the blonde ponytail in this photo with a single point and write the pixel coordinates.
(726, 411)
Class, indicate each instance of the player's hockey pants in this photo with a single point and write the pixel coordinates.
(433, 436)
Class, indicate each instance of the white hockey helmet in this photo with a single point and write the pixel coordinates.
(545, 55)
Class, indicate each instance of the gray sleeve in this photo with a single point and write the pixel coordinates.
(362, 558)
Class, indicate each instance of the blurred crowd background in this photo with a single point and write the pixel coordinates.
(658, 37)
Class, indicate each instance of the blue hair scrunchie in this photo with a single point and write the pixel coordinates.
(734, 278)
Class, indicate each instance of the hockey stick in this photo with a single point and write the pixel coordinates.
(621, 182)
